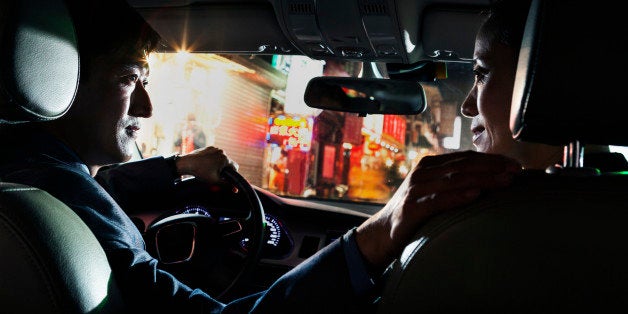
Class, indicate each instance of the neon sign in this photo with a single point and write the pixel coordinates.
(291, 132)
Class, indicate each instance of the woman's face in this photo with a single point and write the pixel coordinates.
(488, 102)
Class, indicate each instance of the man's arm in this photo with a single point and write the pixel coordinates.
(138, 184)
(320, 284)
(350, 287)
(325, 282)
(144, 286)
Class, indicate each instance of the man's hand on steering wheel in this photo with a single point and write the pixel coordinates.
(205, 164)
(217, 255)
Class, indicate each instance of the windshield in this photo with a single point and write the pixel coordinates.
(252, 107)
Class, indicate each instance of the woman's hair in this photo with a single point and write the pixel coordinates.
(506, 21)
(111, 30)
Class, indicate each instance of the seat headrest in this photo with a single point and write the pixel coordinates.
(39, 61)
(571, 76)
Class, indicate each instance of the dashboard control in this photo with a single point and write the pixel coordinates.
(277, 244)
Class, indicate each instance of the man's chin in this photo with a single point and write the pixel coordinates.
(127, 155)
(128, 151)
(123, 155)
(482, 147)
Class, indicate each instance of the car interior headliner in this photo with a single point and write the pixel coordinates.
(395, 31)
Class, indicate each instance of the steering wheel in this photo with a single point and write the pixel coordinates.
(212, 246)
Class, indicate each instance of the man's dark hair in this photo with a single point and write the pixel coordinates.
(111, 30)
(506, 21)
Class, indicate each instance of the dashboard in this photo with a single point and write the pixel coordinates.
(277, 240)
(295, 229)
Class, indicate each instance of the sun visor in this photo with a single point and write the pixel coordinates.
(448, 33)
(223, 27)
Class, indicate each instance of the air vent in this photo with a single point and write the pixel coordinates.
(374, 9)
(301, 8)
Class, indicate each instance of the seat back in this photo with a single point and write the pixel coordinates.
(552, 242)
(548, 244)
(51, 262)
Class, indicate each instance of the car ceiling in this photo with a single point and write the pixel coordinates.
(395, 31)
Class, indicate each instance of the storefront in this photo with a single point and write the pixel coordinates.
(289, 140)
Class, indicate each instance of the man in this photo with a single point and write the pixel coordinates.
(63, 156)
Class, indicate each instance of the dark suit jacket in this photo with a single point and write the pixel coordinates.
(321, 284)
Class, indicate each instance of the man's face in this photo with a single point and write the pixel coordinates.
(106, 112)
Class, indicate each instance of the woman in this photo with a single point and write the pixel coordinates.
(488, 103)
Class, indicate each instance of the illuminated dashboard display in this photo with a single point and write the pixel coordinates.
(277, 243)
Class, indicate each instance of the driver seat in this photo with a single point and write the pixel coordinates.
(51, 261)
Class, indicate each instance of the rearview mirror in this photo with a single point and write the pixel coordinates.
(365, 96)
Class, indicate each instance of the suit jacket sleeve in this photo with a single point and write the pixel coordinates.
(324, 283)
(139, 184)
